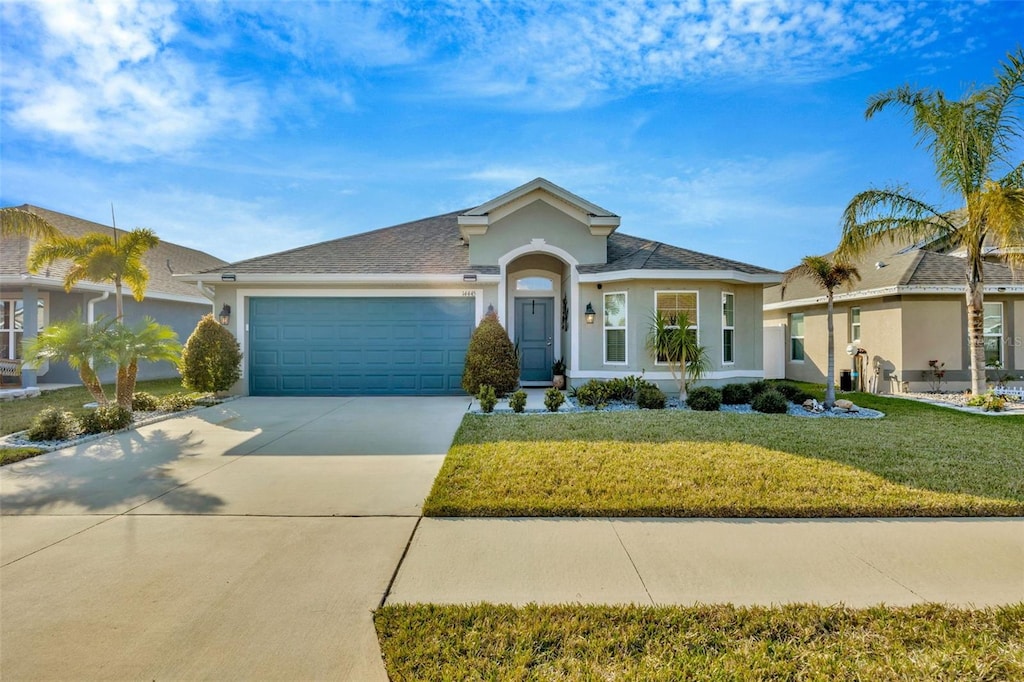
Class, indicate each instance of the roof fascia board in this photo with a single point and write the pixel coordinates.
(550, 187)
(91, 287)
(903, 290)
(723, 275)
(337, 278)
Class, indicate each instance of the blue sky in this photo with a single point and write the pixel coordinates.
(244, 128)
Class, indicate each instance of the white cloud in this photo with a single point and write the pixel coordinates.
(103, 77)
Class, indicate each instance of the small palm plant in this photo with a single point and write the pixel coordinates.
(677, 345)
(85, 347)
(145, 340)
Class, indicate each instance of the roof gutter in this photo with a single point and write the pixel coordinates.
(899, 290)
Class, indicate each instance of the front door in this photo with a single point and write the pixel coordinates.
(535, 337)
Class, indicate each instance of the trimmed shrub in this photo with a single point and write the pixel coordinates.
(736, 394)
(145, 402)
(53, 423)
(704, 399)
(177, 402)
(211, 359)
(758, 387)
(553, 399)
(490, 359)
(107, 418)
(487, 399)
(770, 402)
(518, 401)
(787, 389)
(594, 394)
(650, 397)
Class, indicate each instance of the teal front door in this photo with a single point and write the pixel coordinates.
(535, 324)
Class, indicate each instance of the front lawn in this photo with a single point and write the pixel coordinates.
(920, 460)
(485, 642)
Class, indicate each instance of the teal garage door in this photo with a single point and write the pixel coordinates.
(358, 346)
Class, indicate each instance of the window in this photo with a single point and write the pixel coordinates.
(534, 284)
(615, 328)
(993, 334)
(672, 305)
(796, 337)
(854, 324)
(728, 327)
(12, 328)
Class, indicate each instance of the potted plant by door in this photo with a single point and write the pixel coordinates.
(558, 373)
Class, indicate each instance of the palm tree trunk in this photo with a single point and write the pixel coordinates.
(92, 383)
(118, 300)
(830, 374)
(126, 383)
(976, 332)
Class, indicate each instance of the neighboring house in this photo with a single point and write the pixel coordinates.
(391, 311)
(908, 310)
(29, 302)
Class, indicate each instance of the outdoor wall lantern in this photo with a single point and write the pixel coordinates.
(225, 315)
(590, 314)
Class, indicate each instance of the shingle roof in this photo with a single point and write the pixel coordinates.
(433, 246)
(166, 256)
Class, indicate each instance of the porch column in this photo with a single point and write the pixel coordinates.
(29, 329)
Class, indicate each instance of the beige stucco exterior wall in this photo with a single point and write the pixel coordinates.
(537, 220)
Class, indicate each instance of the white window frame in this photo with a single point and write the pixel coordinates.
(605, 328)
(855, 327)
(999, 337)
(729, 327)
(803, 320)
(14, 347)
(696, 322)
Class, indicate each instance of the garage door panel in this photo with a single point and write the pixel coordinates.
(354, 346)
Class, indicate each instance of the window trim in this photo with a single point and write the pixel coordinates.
(696, 323)
(855, 338)
(605, 328)
(729, 327)
(999, 337)
(43, 302)
(802, 337)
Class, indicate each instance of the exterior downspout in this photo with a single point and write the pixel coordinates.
(206, 291)
(91, 307)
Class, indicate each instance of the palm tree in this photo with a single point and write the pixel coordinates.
(675, 342)
(971, 142)
(144, 340)
(83, 346)
(17, 222)
(828, 275)
(100, 257)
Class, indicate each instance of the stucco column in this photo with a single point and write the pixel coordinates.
(30, 328)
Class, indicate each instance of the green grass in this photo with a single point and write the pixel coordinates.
(16, 415)
(920, 460)
(12, 455)
(485, 642)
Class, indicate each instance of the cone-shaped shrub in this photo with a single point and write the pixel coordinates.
(491, 358)
(212, 360)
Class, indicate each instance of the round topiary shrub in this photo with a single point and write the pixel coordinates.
(553, 399)
(770, 402)
(704, 399)
(491, 358)
(650, 397)
(212, 359)
(144, 402)
(518, 401)
(594, 394)
(736, 394)
(758, 387)
(107, 418)
(53, 423)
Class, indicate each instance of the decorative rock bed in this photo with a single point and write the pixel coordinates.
(571, 405)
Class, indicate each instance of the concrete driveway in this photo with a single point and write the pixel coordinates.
(249, 540)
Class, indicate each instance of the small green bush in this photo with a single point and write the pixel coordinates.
(145, 402)
(553, 399)
(518, 402)
(989, 402)
(177, 402)
(105, 418)
(736, 394)
(770, 402)
(594, 394)
(704, 399)
(758, 387)
(490, 359)
(211, 359)
(650, 397)
(53, 423)
(488, 399)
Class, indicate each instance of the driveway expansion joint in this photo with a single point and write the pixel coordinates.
(398, 566)
(631, 562)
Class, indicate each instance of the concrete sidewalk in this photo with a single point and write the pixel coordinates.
(857, 562)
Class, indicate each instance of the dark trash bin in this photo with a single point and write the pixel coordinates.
(846, 380)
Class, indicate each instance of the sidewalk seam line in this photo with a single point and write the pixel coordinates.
(398, 566)
(889, 577)
(53, 544)
(632, 563)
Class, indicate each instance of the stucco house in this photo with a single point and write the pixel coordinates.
(391, 311)
(30, 302)
(908, 312)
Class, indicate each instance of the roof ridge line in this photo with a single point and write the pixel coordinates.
(908, 274)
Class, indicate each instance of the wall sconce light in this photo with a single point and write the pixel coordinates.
(225, 315)
(590, 314)
(229, 277)
(469, 278)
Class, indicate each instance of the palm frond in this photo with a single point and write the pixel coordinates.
(890, 214)
(16, 222)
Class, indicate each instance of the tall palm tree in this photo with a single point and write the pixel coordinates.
(972, 143)
(17, 222)
(83, 346)
(144, 340)
(100, 257)
(675, 342)
(829, 275)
